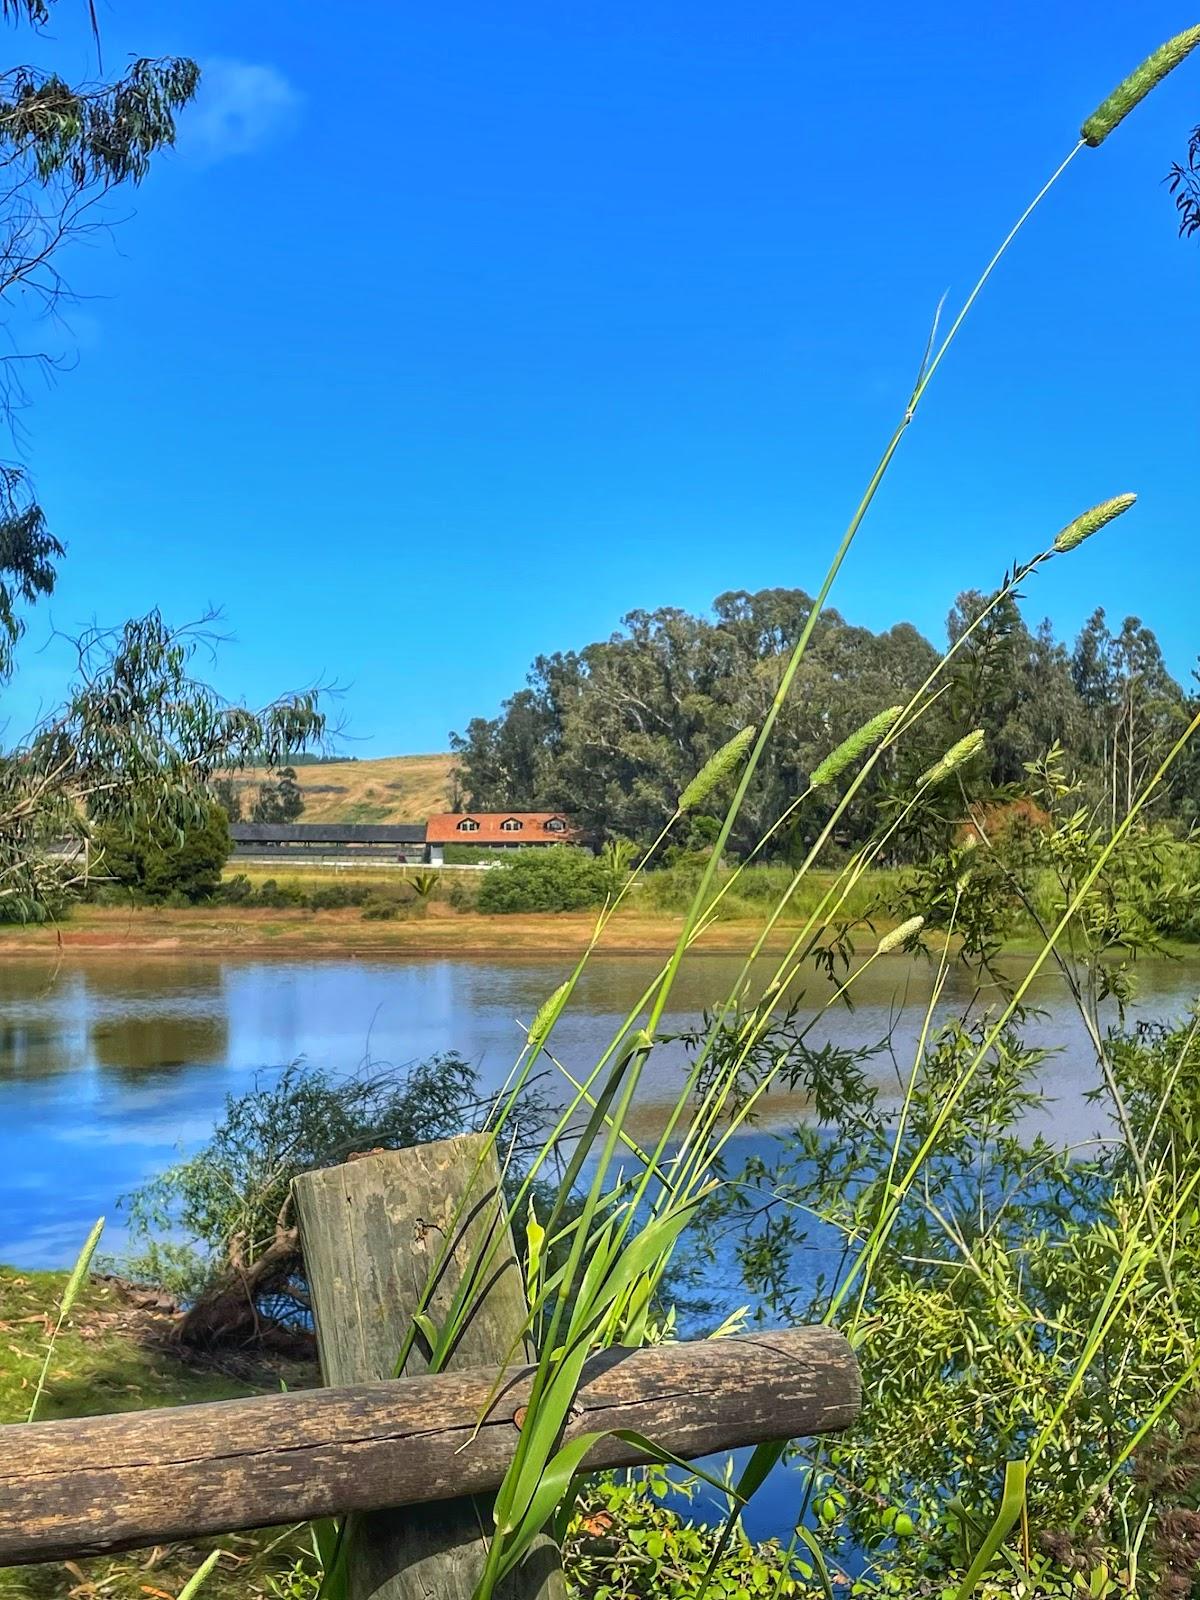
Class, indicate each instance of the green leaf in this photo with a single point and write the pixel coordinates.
(535, 1236)
(333, 1541)
(427, 1327)
(552, 1486)
(1011, 1501)
(809, 1541)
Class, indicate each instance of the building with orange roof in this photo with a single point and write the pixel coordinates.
(498, 830)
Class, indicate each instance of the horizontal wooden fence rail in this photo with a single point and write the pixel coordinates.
(83, 1487)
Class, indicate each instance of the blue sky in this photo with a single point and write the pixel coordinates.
(451, 333)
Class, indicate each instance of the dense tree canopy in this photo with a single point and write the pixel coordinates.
(280, 799)
(615, 731)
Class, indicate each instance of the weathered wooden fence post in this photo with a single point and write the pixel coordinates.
(372, 1231)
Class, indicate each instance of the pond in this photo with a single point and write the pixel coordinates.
(110, 1069)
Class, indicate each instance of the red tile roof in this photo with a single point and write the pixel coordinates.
(444, 828)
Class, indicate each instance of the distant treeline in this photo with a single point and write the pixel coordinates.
(613, 732)
(314, 758)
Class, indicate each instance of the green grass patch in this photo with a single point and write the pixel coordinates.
(113, 1355)
(753, 892)
(98, 1365)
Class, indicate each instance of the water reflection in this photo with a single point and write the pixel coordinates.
(35, 1047)
(109, 1069)
(136, 1044)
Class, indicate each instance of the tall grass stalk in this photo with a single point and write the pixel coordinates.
(200, 1577)
(997, 1028)
(667, 1216)
(70, 1294)
(603, 1259)
(925, 377)
(859, 1272)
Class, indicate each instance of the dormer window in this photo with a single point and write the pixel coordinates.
(556, 825)
(468, 825)
(511, 825)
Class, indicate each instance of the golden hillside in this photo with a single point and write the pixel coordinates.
(392, 789)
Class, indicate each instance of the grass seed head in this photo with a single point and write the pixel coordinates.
(1092, 521)
(547, 1016)
(900, 936)
(719, 765)
(957, 756)
(1134, 89)
(850, 749)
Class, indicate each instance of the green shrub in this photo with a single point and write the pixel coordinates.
(161, 862)
(275, 896)
(625, 1543)
(220, 1211)
(338, 896)
(384, 905)
(470, 855)
(462, 890)
(555, 879)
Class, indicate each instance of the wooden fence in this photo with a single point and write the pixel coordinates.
(413, 1454)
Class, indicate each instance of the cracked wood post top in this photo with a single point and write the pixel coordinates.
(372, 1231)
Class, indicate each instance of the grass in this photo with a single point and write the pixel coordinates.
(98, 1364)
(666, 893)
(648, 921)
(755, 889)
(107, 931)
(391, 789)
(114, 1355)
(314, 875)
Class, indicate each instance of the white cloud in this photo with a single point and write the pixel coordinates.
(240, 108)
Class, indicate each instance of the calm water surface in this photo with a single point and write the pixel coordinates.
(112, 1068)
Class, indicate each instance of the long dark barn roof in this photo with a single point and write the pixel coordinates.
(327, 832)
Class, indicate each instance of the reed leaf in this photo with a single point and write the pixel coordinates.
(719, 765)
(809, 1541)
(535, 1236)
(836, 762)
(565, 1465)
(331, 1538)
(1011, 1500)
(546, 1416)
(552, 1484)
(1131, 91)
(1092, 521)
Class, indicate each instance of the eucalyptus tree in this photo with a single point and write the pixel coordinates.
(64, 149)
(138, 733)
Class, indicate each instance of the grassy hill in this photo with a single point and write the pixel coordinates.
(392, 789)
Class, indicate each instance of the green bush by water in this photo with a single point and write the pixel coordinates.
(559, 878)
